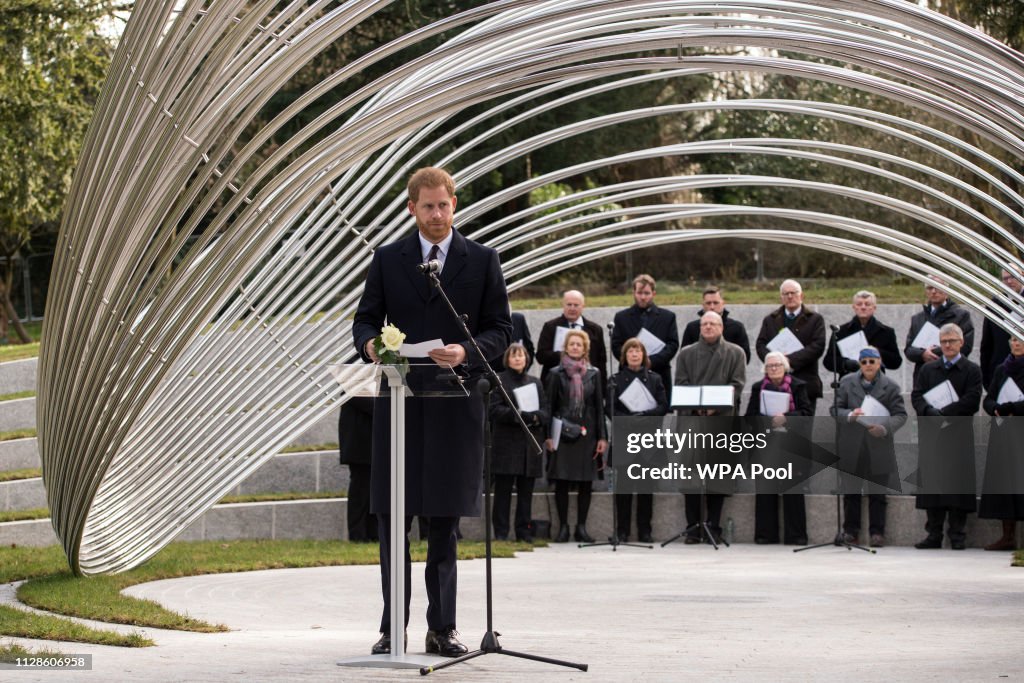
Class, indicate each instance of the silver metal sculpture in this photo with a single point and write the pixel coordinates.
(206, 278)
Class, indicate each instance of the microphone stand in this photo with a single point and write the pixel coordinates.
(840, 538)
(613, 540)
(489, 644)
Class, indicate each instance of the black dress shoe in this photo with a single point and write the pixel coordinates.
(581, 534)
(383, 646)
(929, 543)
(692, 540)
(958, 545)
(563, 534)
(445, 643)
(760, 540)
(646, 538)
(524, 538)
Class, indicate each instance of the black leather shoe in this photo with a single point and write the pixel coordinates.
(581, 534)
(563, 534)
(524, 538)
(383, 646)
(929, 543)
(958, 545)
(445, 643)
(692, 540)
(646, 538)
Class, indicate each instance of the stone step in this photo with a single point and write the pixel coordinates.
(18, 375)
(19, 454)
(17, 414)
(326, 519)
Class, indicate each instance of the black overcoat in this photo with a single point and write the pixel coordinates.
(355, 431)
(575, 461)
(882, 337)
(550, 357)
(792, 445)
(1002, 490)
(660, 322)
(512, 452)
(443, 436)
(949, 312)
(946, 447)
(809, 328)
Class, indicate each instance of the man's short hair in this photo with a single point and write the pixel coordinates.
(429, 176)
(644, 279)
(953, 329)
(711, 289)
(865, 294)
(799, 288)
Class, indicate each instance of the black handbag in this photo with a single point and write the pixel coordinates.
(571, 432)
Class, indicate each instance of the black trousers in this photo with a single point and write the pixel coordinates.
(624, 510)
(362, 525)
(694, 516)
(502, 505)
(957, 522)
(876, 513)
(440, 575)
(766, 518)
(582, 500)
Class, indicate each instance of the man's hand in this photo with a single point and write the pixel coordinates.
(602, 446)
(929, 356)
(450, 355)
(778, 421)
(877, 431)
(854, 414)
(371, 353)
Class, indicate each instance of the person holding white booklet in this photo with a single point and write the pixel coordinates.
(654, 326)
(776, 399)
(923, 337)
(863, 330)
(1001, 496)
(869, 408)
(799, 333)
(639, 391)
(514, 461)
(947, 391)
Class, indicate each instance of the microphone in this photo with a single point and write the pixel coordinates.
(428, 267)
(611, 327)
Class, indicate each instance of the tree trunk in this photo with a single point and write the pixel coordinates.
(7, 312)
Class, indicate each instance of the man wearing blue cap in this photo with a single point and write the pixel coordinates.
(866, 446)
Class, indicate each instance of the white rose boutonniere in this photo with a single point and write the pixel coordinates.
(387, 344)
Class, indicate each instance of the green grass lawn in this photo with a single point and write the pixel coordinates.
(27, 473)
(51, 586)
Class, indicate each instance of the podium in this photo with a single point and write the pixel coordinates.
(423, 380)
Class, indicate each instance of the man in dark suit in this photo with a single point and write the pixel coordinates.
(995, 341)
(946, 441)
(880, 336)
(735, 332)
(644, 314)
(443, 436)
(573, 304)
(939, 310)
(809, 329)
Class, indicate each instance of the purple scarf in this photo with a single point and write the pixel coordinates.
(574, 370)
(1014, 367)
(786, 386)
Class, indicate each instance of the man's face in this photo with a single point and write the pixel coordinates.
(713, 302)
(936, 297)
(572, 307)
(863, 309)
(792, 296)
(869, 368)
(950, 346)
(1011, 281)
(710, 329)
(434, 211)
(643, 295)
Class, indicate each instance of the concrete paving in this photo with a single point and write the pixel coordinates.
(746, 613)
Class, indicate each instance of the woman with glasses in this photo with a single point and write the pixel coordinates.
(780, 399)
(869, 410)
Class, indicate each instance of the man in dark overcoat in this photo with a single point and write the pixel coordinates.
(644, 314)
(573, 303)
(946, 441)
(995, 341)
(807, 326)
(355, 440)
(877, 334)
(713, 300)
(938, 310)
(443, 436)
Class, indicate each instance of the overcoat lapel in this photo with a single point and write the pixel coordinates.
(411, 257)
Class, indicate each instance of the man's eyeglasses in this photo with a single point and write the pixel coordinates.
(951, 341)
(868, 361)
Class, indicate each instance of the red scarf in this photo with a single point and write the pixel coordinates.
(786, 386)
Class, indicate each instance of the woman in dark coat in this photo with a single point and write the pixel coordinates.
(355, 444)
(514, 460)
(777, 378)
(634, 366)
(1004, 466)
(574, 389)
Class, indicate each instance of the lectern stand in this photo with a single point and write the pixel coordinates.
(433, 381)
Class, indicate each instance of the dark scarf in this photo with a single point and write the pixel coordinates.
(1014, 367)
(574, 370)
(786, 386)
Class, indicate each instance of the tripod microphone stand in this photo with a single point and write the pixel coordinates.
(613, 540)
(489, 644)
(839, 540)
